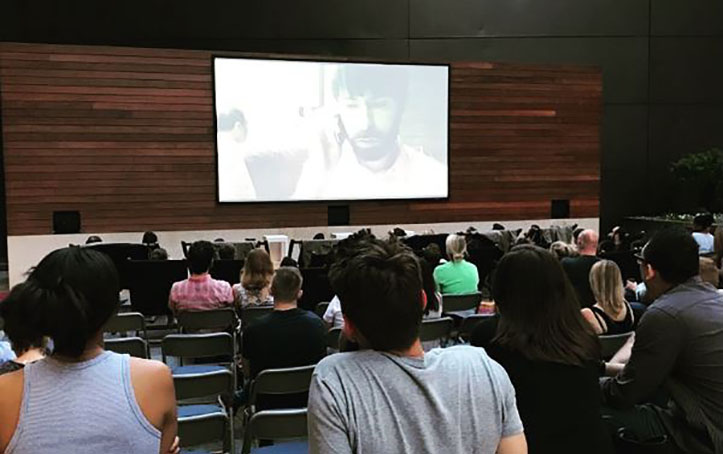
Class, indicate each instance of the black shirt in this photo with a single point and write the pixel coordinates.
(290, 338)
(578, 271)
(559, 403)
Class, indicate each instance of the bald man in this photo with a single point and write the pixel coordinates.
(578, 268)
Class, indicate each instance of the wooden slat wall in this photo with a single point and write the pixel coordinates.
(126, 136)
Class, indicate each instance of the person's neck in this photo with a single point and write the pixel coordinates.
(284, 305)
(199, 275)
(415, 351)
(590, 252)
(92, 349)
(31, 355)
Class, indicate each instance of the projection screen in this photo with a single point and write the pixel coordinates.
(299, 130)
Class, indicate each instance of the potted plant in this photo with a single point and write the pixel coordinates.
(702, 174)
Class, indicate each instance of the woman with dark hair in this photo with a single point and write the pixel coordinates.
(81, 399)
(548, 350)
(254, 288)
(28, 345)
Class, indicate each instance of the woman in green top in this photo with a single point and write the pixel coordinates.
(457, 276)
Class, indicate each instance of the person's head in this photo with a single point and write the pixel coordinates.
(200, 257)
(288, 261)
(668, 259)
(606, 282)
(318, 236)
(456, 246)
(539, 312)
(426, 268)
(68, 297)
(370, 99)
(226, 252)
(234, 122)
(150, 238)
(286, 285)
(93, 239)
(22, 336)
(587, 242)
(257, 271)
(709, 272)
(380, 289)
(560, 250)
(703, 222)
(158, 254)
(432, 254)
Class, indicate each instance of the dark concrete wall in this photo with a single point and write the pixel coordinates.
(662, 60)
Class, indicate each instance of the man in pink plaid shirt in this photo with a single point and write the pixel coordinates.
(200, 291)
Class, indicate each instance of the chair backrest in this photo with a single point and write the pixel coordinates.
(192, 386)
(134, 346)
(321, 308)
(251, 314)
(333, 337)
(150, 284)
(217, 319)
(316, 287)
(275, 425)
(201, 429)
(197, 345)
(436, 328)
(227, 270)
(469, 323)
(128, 321)
(610, 344)
(289, 380)
(463, 302)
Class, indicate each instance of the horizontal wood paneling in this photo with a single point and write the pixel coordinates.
(126, 136)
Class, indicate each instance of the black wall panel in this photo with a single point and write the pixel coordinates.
(687, 18)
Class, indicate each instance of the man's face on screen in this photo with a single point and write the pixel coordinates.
(371, 123)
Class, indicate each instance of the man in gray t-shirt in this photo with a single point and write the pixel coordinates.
(391, 397)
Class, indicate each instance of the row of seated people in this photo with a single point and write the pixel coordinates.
(535, 385)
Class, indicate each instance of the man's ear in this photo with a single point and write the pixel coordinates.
(349, 330)
(649, 272)
(424, 300)
(299, 294)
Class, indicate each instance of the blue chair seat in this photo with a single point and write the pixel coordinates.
(196, 369)
(293, 447)
(199, 409)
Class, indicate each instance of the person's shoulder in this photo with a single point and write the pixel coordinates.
(221, 284)
(345, 364)
(458, 354)
(151, 372)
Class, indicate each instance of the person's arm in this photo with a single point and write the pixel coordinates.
(11, 397)
(658, 341)
(589, 316)
(516, 444)
(327, 431)
(153, 387)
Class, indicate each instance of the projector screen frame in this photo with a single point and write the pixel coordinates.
(325, 59)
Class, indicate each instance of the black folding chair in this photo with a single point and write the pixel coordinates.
(203, 429)
(252, 314)
(278, 425)
(134, 346)
(199, 346)
(223, 319)
(610, 344)
(436, 329)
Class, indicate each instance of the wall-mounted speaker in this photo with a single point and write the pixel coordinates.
(66, 222)
(560, 209)
(338, 214)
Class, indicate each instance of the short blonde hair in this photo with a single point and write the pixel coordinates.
(708, 271)
(606, 282)
(456, 247)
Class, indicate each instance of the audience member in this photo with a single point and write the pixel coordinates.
(288, 261)
(678, 349)
(549, 352)
(610, 314)
(150, 239)
(226, 252)
(159, 254)
(333, 316)
(82, 399)
(391, 396)
(702, 224)
(708, 271)
(200, 291)
(93, 239)
(457, 276)
(578, 268)
(27, 345)
(560, 250)
(288, 337)
(253, 290)
(433, 309)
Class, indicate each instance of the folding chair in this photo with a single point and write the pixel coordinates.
(436, 329)
(332, 338)
(206, 394)
(202, 429)
(252, 314)
(452, 304)
(290, 380)
(282, 425)
(470, 323)
(214, 319)
(610, 344)
(129, 321)
(321, 309)
(134, 346)
(196, 346)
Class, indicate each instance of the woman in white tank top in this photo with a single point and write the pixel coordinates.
(81, 399)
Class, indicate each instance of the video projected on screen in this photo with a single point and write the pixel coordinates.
(292, 130)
